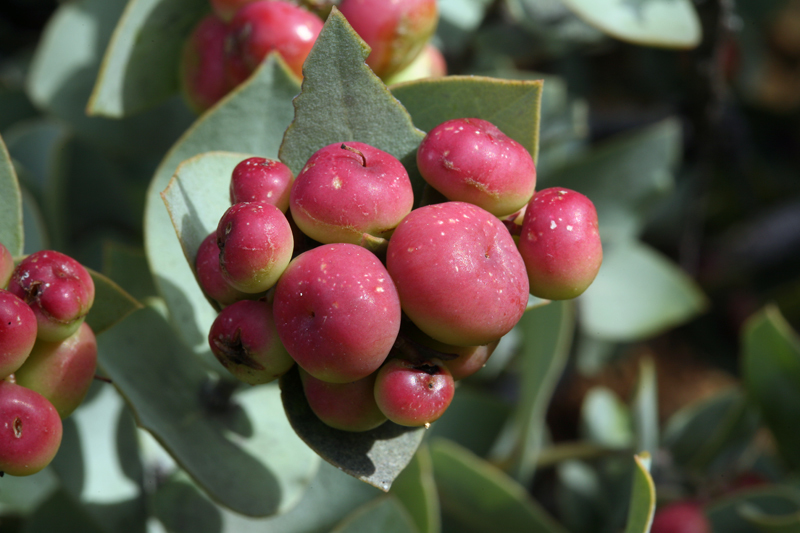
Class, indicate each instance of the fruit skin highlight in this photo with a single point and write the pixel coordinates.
(413, 394)
(459, 275)
(58, 289)
(30, 430)
(337, 312)
(560, 243)
(395, 31)
(471, 160)
(17, 333)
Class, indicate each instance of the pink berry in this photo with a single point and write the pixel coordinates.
(346, 406)
(349, 190)
(337, 312)
(681, 517)
(17, 333)
(560, 243)
(413, 394)
(209, 274)
(202, 68)
(62, 371)
(30, 430)
(255, 243)
(395, 31)
(263, 26)
(6, 266)
(460, 277)
(471, 160)
(244, 339)
(58, 289)
(258, 179)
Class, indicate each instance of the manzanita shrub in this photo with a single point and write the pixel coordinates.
(264, 267)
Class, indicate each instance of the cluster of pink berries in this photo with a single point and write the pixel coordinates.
(48, 354)
(383, 306)
(228, 45)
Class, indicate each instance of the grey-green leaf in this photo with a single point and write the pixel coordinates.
(643, 497)
(644, 408)
(511, 105)
(140, 65)
(416, 490)
(376, 456)
(619, 304)
(745, 511)
(11, 234)
(384, 514)
(244, 454)
(251, 119)
(771, 370)
(479, 497)
(662, 23)
(343, 100)
(111, 304)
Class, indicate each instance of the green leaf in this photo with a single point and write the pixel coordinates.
(457, 21)
(21, 495)
(197, 197)
(11, 234)
(416, 490)
(605, 420)
(474, 419)
(245, 455)
(180, 506)
(140, 65)
(481, 498)
(547, 337)
(644, 408)
(63, 73)
(755, 510)
(376, 456)
(625, 177)
(343, 100)
(383, 514)
(251, 119)
(36, 237)
(713, 432)
(61, 509)
(127, 266)
(662, 23)
(638, 293)
(111, 304)
(643, 497)
(771, 370)
(513, 106)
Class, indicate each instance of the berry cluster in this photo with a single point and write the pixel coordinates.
(383, 306)
(228, 45)
(48, 354)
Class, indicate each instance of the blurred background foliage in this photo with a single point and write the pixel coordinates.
(680, 119)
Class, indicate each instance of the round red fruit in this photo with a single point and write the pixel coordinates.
(337, 312)
(560, 243)
(413, 394)
(30, 430)
(255, 243)
(460, 277)
(244, 339)
(209, 274)
(681, 517)
(258, 179)
(58, 289)
(62, 371)
(17, 333)
(263, 26)
(346, 406)
(202, 68)
(471, 160)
